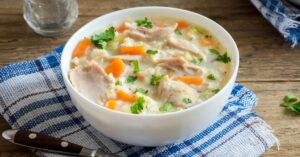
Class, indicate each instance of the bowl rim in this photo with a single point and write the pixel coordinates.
(228, 36)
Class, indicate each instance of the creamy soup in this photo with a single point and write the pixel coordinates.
(150, 66)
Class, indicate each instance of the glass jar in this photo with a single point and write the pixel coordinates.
(50, 17)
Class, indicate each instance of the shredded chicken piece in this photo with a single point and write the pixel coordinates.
(175, 91)
(92, 82)
(174, 63)
(146, 34)
(183, 45)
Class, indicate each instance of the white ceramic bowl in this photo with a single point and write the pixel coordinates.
(153, 129)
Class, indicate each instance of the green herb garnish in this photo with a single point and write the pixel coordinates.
(144, 23)
(131, 79)
(223, 58)
(152, 52)
(100, 40)
(118, 83)
(290, 102)
(141, 90)
(215, 91)
(166, 107)
(155, 79)
(178, 32)
(211, 77)
(187, 100)
(136, 66)
(197, 61)
(138, 106)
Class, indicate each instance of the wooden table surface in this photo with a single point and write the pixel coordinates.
(269, 66)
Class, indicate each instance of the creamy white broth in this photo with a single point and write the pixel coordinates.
(188, 69)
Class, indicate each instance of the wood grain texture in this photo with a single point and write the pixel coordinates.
(268, 65)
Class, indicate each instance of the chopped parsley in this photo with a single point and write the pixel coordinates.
(178, 32)
(197, 61)
(152, 52)
(223, 58)
(118, 83)
(136, 66)
(100, 40)
(155, 79)
(166, 107)
(138, 106)
(187, 100)
(291, 103)
(141, 90)
(211, 77)
(144, 23)
(215, 90)
(131, 79)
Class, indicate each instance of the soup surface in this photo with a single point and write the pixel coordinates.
(150, 66)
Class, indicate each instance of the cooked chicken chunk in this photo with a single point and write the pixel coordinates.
(178, 63)
(125, 57)
(183, 45)
(92, 82)
(175, 91)
(146, 34)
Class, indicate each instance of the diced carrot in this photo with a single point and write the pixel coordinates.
(121, 28)
(112, 104)
(121, 95)
(82, 47)
(132, 50)
(206, 42)
(140, 77)
(182, 24)
(116, 67)
(190, 80)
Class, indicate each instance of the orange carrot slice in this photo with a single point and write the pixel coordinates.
(191, 80)
(132, 50)
(116, 67)
(206, 42)
(82, 47)
(182, 25)
(121, 95)
(111, 104)
(121, 28)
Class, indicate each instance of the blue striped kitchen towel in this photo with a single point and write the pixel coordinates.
(33, 97)
(283, 15)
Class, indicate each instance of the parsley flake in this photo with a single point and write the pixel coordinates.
(100, 40)
(155, 79)
(215, 90)
(178, 32)
(166, 107)
(144, 23)
(211, 77)
(131, 79)
(197, 61)
(187, 100)
(223, 58)
(290, 103)
(141, 90)
(138, 106)
(118, 83)
(152, 52)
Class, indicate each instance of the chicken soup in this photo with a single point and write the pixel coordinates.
(148, 66)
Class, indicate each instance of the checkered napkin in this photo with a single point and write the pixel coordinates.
(284, 16)
(33, 97)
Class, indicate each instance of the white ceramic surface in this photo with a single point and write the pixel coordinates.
(150, 130)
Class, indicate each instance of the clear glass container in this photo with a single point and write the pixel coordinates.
(50, 17)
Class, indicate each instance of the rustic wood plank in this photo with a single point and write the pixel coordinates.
(268, 65)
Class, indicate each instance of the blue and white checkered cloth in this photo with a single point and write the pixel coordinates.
(284, 16)
(33, 97)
